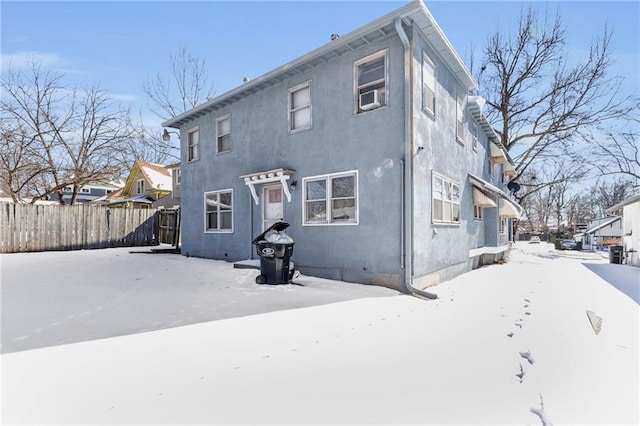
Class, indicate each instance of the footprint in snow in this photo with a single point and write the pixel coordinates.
(510, 335)
(527, 355)
(518, 325)
(520, 375)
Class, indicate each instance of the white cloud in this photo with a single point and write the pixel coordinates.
(22, 60)
(125, 97)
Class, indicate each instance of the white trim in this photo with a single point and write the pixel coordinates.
(204, 205)
(451, 182)
(290, 92)
(196, 156)
(218, 135)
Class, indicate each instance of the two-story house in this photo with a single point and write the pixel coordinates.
(371, 148)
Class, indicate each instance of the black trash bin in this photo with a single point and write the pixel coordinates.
(615, 254)
(274, 257)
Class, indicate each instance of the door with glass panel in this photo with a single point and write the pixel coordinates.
(273, 207)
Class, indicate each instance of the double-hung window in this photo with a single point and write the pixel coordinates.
(446, 200)
(300, 107)
(460, 120)
(140, 186)
(371, 82)
(218, 211)
(223, 134)
(193, 139)
(474, 136)
(331, 199)
(428, 85)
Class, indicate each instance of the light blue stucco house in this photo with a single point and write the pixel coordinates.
(372, 147)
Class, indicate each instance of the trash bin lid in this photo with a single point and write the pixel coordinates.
(278, 226)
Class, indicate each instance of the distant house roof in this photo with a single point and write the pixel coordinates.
(414, 12)
(158, 176)
(602, 225)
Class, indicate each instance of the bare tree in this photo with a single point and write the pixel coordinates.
(539, 102)
(605, 195)
(616, 151)
(186, 87)
(73, 137)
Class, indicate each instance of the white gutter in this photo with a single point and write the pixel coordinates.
(407, 219)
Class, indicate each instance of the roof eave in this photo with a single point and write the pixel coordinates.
(415, 11)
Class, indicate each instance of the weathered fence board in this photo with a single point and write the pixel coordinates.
(27, 227)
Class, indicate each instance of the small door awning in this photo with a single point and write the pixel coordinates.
(270, 176)
(497, 154)
(508, 209)
(481, 199)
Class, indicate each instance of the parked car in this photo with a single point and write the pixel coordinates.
(568, 245)
(534, 240)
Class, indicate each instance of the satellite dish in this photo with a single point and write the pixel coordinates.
(513, 186)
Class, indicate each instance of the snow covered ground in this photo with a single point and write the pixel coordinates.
(505, 344)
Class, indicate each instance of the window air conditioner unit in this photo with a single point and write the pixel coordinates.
(369, 100)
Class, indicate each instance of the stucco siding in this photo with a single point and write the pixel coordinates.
(370, 144)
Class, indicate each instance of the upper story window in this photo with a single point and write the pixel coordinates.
(474, 136)
(460, 120)
(140, 186)
(85, 190)
(446, 200)
(491, 167)
(331, 199)
(371, 82)
(66, 189)
(223, 134)
(428, 85)
(192, 144)
(176, 173)
(300, 107)
(218, 211)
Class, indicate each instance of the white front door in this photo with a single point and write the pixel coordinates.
(273, 207)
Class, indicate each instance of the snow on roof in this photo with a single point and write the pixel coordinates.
(158, 175)
(602, 225)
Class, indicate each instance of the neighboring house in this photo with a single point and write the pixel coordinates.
(602, 232)
(147, 185)
(370, 147)
(630, 211)
(88, 192)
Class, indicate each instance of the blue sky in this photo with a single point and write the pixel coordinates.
(117, 44)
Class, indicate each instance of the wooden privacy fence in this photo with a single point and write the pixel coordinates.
(27, 227)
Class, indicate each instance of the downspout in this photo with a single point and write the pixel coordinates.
(407, 168)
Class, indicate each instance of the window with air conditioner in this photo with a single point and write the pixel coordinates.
(371, 80)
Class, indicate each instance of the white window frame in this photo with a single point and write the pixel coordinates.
(292, 111)
(220, 135)
(491, 166)
(474, 136)
(192, 147)
(206, 212)
(372, 85)
(503, 225)
(446, 202)
(328, 178)
(140, 186)
(429, 83)
(477, 212)
(178, 175)
(460, 120)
